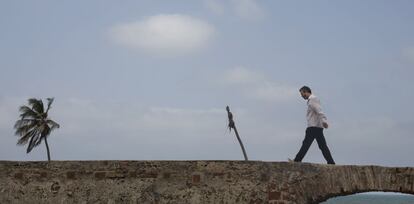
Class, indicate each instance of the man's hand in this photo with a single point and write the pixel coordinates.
(325, 125)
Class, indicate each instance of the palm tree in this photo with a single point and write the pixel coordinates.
(34, 124)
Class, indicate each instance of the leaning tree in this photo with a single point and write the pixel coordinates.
(34, 124)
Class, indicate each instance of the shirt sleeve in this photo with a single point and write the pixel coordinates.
(315, 105)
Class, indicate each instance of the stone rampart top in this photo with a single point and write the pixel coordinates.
(192, 181)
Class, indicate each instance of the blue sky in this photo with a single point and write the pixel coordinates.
(150, 79)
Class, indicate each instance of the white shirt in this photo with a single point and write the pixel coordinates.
(314, 115)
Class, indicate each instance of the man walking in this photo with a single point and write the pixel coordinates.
(316, 123)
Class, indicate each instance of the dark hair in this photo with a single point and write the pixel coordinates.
(305, 89)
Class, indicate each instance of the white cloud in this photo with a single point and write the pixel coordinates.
(408, 53)
(248, 9)
(164, 34)
(256, 85)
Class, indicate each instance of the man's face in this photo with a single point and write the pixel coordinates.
(305, 95)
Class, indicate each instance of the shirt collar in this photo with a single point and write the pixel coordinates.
(310, 97)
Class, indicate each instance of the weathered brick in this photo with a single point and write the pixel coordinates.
(166, 175)
(70, 175)
(274, 195)
(114, 175)
(264, 177)
(229, 177)
(132, 174)
(256, 201)
(272, 186)
(148, 175)
(100, 174)
(196, 178)
(218, 174)
(43, 174)
(285, 186)
(285, 196)
(18, 175)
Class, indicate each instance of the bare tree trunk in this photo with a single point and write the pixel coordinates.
(241, 143)
(48, 151)
(233, 125)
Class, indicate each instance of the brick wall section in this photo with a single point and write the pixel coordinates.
(192, 181)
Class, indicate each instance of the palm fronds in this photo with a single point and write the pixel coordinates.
(34, 124)
(37, 105)
(49, 103)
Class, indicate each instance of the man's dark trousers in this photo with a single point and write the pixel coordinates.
(311, 134)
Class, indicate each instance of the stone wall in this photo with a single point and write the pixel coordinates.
(192, 181)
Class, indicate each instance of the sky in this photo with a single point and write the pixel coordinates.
(150, 80)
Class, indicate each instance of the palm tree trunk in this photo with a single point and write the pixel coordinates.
(241, 143)
(48, 151)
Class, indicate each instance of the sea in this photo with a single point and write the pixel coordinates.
(372, 198)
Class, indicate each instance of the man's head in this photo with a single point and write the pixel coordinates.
(305, 92)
